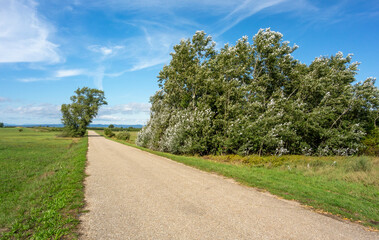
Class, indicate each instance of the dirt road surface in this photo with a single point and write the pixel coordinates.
(131, 194)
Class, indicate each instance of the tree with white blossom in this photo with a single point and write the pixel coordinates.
(255, 98)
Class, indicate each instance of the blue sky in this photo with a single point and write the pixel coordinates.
(49, 48)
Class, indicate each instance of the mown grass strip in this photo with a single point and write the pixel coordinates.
(41, 190)
(351, 200)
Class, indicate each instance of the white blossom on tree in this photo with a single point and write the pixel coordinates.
(255, 98)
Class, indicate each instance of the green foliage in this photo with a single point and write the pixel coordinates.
(371, 143)
(122, 135)
(257, 99)
(20, 129)
(79, 114)
(111, 126)
(1, 125)
(132, 139)
(108, 132)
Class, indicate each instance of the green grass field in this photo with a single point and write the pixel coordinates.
(41, 191)
(344, 186)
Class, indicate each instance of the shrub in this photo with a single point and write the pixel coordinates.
(123, 136)
(371, 143)
(20, 129)
(108, 132)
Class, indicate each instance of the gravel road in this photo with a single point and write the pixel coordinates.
(131, 194)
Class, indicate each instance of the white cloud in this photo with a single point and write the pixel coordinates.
(110, 118)
(126, 108)
(54, 110)
(119, 120)
(44, 113)
(244, 10)
(3, 99)
(152, 48)
(146, 63)
(27, 80)
(165, 5)
(130, 113)
(69, 73)
(98, 77)
(104, 50)
(45, 109)
(24, 34)
(227, 13)
(57, 75)
(107, 52)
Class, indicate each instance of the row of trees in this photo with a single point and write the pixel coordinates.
(256, 98)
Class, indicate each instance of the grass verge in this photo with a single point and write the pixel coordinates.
(41, 190)
(314, 182)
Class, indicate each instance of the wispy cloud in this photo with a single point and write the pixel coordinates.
(245, 10)
(107, 53)
(28, 80)
(57, 75)
(98, 76)
(152, 48)
(34, 110)
(149, 63)
(3, 99)
(69, 73)
(126, 108)
(24, 35)
(165, 5)
(105, 50)
(42, 113)
(147, 37)
(130, 113)
(225, 13)
(108, 119)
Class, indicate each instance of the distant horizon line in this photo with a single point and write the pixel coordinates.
(61, 125)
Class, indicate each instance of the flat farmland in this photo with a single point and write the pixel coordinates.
(41, 190)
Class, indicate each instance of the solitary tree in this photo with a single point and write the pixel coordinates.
(84, 107)
(1, 124)
(111, 126)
